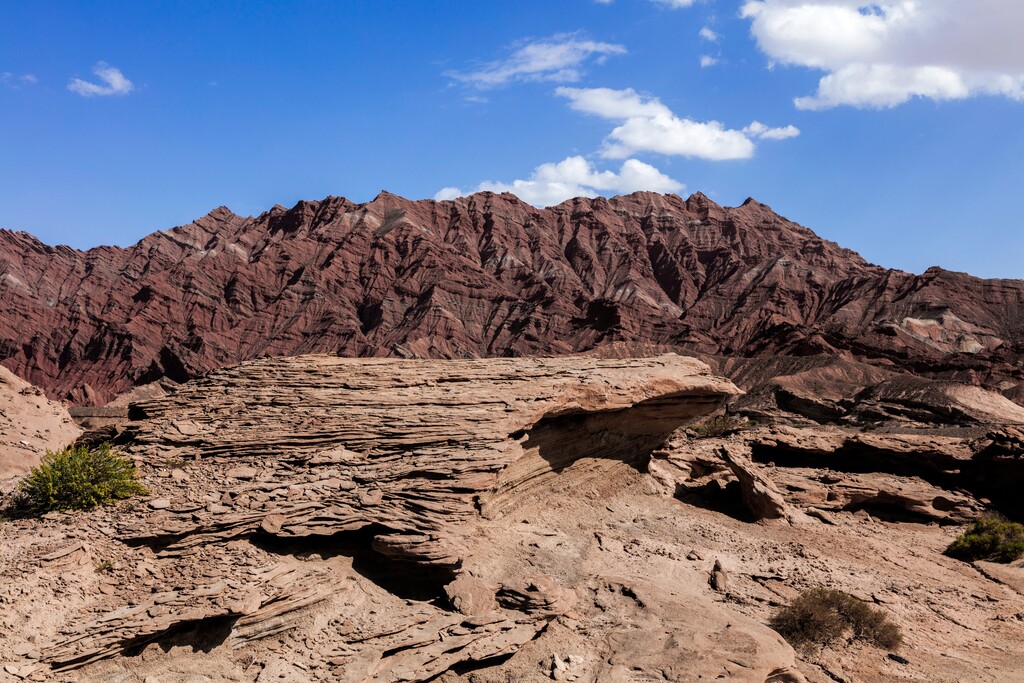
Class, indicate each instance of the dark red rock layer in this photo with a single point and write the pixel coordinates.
(486, 275)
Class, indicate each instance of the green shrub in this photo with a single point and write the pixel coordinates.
(720, 425)
(77, 478)
(820, 616)
(989, 538)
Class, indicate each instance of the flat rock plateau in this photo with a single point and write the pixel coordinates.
(456, 442)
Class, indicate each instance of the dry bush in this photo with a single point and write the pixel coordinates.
(76, 478)
(717, 426)
(992, 538)
(821, 616)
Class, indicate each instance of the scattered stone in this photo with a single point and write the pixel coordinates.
(243, 472)
(471, 596)
(719, 579)
(22, 649)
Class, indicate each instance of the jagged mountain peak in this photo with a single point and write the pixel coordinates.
(482, 275)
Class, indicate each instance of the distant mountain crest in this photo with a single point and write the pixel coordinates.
(484, 275)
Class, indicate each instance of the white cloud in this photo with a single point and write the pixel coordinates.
(882, 53)
(758, 130)
(882, 85)
(647, 125)
(707, 60)
(553, 183)
(15, 81)
(560, 59)
(113, 83)
(613, 104)
(446, 193)
(707, 34)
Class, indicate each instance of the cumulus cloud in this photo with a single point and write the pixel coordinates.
(883, 53)
(446, 193)
(707, 34)
(758, 130)
(560, 58)
(647, 125)
(553, 183)
(112, 82)
(707, 60)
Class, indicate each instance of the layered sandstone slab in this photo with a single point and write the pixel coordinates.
(321, 445)
(402, 459)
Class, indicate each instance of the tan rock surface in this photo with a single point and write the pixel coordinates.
(874, 534)
(29, 426)
(312, 525)
(321, 445)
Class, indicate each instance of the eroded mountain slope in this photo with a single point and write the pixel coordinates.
(485, 275)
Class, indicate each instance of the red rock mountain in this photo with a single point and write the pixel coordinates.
(486, 275)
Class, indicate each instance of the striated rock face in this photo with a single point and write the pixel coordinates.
(830, 389)
(402, 459)
(317, 445)
(484, 521)
(486, 275)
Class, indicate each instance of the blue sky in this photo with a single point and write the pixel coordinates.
(894, 127)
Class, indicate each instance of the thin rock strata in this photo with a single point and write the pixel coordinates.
(322, 519)
(400, 458)
(324, 445)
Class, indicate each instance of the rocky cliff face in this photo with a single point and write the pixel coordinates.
(486, 275)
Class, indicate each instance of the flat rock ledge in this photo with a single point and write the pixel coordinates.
(401, 455)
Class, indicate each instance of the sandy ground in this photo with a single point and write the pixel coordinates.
(637, 560)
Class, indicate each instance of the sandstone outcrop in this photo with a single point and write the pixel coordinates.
(486, 275)
(990, 468)
(759, 493)
(481, 521)
(323, 445)
(830, 389)
(30, 424)
(399, 457)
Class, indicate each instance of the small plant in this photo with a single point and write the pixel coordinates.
(992, 538)
(77, 478)
(820, 616)
(720, 425)
(103, 566)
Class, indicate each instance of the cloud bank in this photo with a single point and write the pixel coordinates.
(553, 183)
(647, 125)
(882, 54)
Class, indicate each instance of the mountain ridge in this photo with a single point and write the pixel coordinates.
(485, 275)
